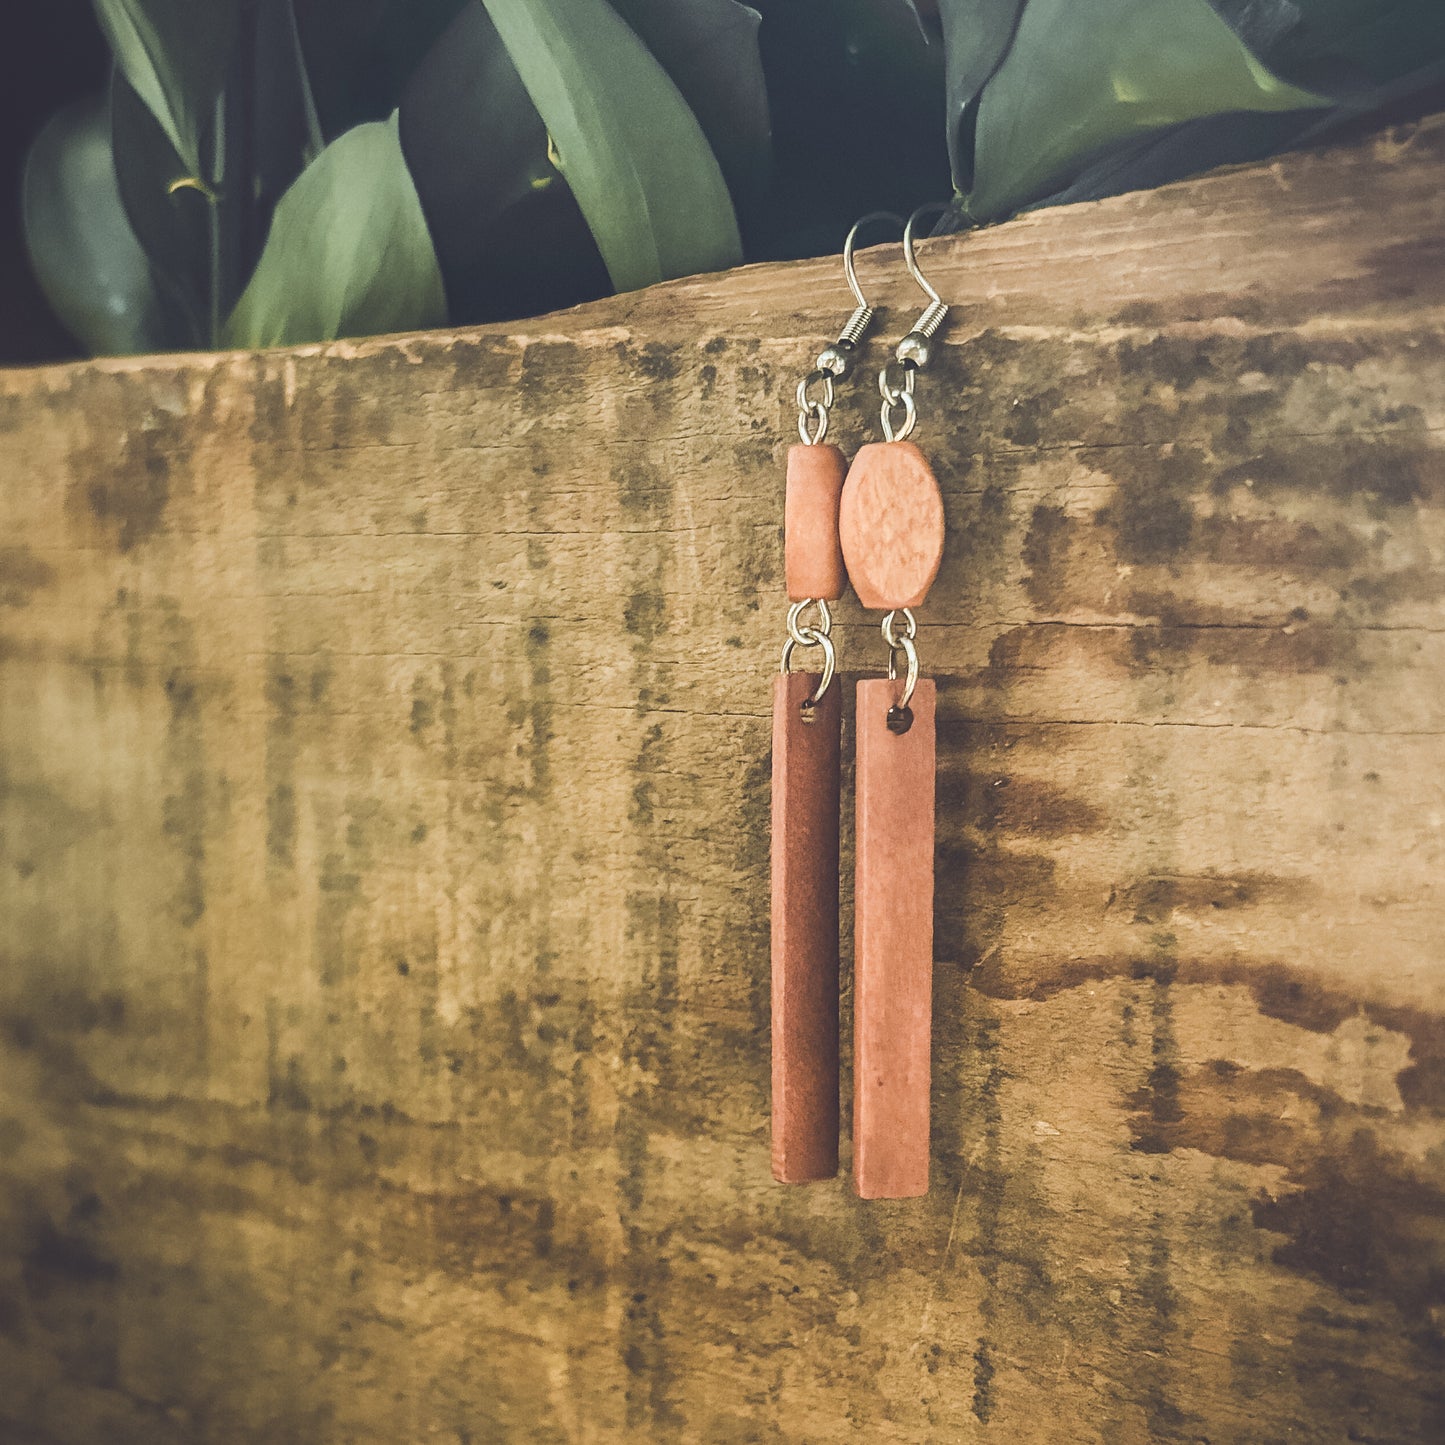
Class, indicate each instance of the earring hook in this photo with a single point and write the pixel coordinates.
(849, 270)
(837, 360)
(915, 351)
(914, 270)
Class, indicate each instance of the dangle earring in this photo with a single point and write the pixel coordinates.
(807, 723)
(892, 531)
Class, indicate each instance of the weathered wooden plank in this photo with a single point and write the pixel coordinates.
(383, 861)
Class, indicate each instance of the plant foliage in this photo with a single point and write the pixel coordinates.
(273, 171)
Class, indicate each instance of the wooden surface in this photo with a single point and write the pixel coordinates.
(384, 862)
(803, 1029)
(893, 940)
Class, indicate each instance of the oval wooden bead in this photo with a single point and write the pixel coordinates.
(812, 556)
(891, 525)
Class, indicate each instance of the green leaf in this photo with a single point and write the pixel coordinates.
(204, 234)
(626, 141)
(175, 53)
(83, 251)
(508, 232)
(709, 49)
(348, 253)
(976, 37)
(1079, 78)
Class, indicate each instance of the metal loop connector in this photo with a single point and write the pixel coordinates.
(813, 411)
(896, 381)
(910, 415)
(801, 635)
(910, 627)
(830, 666)
(902, 643)
(895, 386)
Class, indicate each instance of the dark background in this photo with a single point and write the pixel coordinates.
(54, 53)
(845, 142)
(843, 146)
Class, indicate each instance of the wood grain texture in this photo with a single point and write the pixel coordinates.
(384, 862)
(893, 942)
(804, 1024)
(891, 525)
(812, 553)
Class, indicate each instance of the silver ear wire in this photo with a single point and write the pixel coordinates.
(837, 359)
(916, 349)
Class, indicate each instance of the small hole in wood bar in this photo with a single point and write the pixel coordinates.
(900, 719)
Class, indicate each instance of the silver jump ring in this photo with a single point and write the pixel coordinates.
(895, 392)
(818, 415)
(903, 644)
(910, 417)
(910, 627)
(830, 662)
(802, 635)
(812, 410)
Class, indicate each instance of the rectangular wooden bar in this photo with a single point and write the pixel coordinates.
(893, 944)
(805, 930)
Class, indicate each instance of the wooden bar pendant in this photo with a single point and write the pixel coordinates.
(805, 930)
(893, 944)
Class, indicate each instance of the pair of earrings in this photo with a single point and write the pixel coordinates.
(879, 524)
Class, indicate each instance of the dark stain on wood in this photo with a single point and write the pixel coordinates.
(281, 756)
(1356, 1214)
(22, 573)
(1385, 472)
(186, 803)
(1152, 516)
(1044, 552)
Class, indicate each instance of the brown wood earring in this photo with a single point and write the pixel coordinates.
(891, 529)
(807, 730)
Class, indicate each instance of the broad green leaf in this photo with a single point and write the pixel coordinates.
(976, 37)
(175, 53)
(509, 235)
(626, 141)
(348, 253)
(204, 233)
(83, 251)
(709, 49)
(1159, 156)
(1079, 78)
